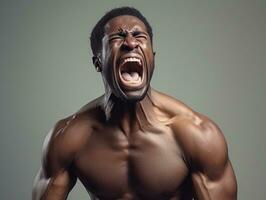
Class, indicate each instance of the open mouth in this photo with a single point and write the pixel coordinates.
(131, 72)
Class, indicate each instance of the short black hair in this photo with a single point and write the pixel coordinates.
(98, 30)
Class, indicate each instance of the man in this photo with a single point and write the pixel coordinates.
(134, 142)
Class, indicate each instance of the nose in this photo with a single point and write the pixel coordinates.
(129, 43)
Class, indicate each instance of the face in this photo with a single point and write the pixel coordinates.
(127, 58)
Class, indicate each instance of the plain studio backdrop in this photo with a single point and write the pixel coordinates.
(209, 54)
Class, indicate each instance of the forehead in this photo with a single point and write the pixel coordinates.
(126, 22)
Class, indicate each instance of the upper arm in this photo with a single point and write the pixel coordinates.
(54, 179)
(206, 151)
(212, 174)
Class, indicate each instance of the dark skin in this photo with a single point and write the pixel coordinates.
(135, 142)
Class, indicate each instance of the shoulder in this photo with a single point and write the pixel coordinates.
(169, 105)
(197, 134)
(67, 137)
(202, 141)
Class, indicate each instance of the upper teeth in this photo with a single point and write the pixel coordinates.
(131, 59)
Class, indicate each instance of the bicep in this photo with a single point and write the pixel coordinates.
(223, 187)
(55, 187)
(54, 180)
(212, 173)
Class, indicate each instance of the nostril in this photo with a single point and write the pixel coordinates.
(129, 44)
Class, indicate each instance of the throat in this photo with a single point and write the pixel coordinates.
(125, 116)
(133, 116)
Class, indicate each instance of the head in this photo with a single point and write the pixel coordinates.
(121, 43)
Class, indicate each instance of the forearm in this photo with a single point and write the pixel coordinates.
(54, 188)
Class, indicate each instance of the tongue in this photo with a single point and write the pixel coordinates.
(133, 76)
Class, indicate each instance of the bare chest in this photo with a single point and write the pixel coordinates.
(148, 164)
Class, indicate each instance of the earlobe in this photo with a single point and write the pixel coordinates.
(98, 68)
(97, 63)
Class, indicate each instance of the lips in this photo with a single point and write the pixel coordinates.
(131, 72)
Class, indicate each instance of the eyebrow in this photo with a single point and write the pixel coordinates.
(136, 32)
(133, 32)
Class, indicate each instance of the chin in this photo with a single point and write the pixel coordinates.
(134, 96)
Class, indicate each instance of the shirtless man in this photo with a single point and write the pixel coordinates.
(134, 142)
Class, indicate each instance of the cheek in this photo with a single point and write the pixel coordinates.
(109, 59)
(147, 49)
(116, 45)
(111, 52)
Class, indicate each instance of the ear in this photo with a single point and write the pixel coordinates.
(97, 63)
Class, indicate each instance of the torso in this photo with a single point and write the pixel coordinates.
(147, 164)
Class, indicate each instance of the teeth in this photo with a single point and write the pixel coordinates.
(132, 59)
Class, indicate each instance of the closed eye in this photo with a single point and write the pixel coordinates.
(115, 38)
(139, 34)
(118, 36)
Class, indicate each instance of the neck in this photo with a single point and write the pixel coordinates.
(130, 116)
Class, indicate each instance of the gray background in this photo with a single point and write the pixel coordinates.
(210, 54)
